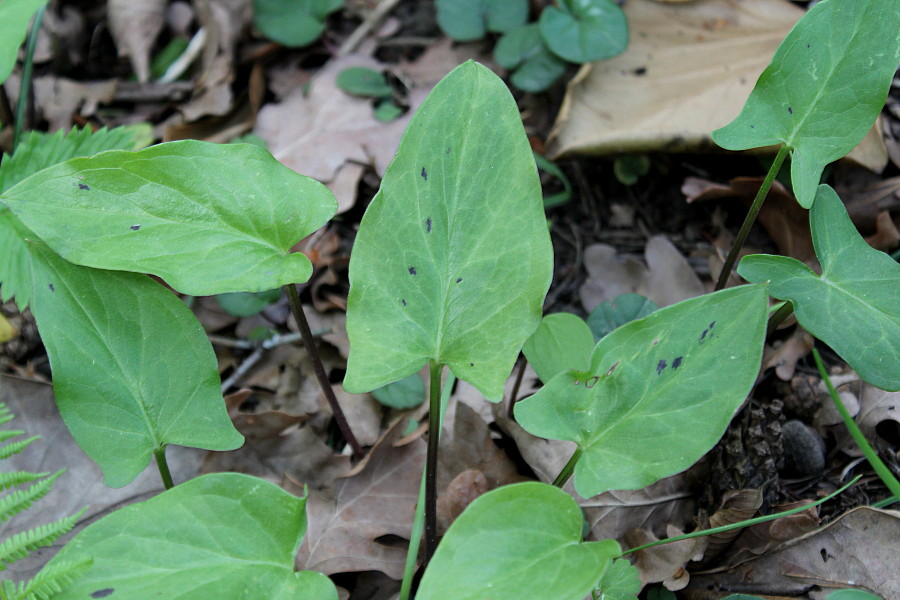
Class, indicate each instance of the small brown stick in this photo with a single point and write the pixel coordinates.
(310, 344)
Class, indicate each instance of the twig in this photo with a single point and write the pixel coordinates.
(369, 23)
(242, 369)
(190, 54)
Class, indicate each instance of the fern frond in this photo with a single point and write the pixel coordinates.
(8, 434)
(18, 546)
(15, 502)
(5, 415)
(16, 447)
(51, 580)
(17, 478)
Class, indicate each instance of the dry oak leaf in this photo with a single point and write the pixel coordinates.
(378, 498)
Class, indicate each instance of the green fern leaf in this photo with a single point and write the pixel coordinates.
(48, 582)
(8, 434)
(16, 447)
(17, 478)
(18, 546)
(19, 500)
(5, 415)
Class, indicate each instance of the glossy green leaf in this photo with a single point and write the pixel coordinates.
(35, 152)
(207, 218)
(620, 581)
(247, 304)
(404, 394)
(293, 23)
(582, 31)
(659, 393)
(15, 15)
(850, 594)
(519, 541)
(823, 89)
(467, 20)
(854, 307)
(563, 342)
(534, 67)
(362, 81)
(133, 370)
(222, 536)
(453, 258)
(608, 316)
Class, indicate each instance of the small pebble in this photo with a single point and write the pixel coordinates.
(804, 450)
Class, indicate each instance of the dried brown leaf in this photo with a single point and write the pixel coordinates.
(664, 563)
(134, 25)
(784, 357)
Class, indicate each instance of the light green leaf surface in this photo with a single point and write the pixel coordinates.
(620, 581)
(247, 304)
(133, 370)
(519, 541)
(823, 89)
(607, 316)
(293, 23)
(15, 15)
(582, 31)
(453, 258)
(659, 393)
(223, 536)
(35, 152)
(404, 394)
(562, 342)
(523, 51)
(362, 81)
(854, 307)
(467, 20)
(207, 218)
(851, 594)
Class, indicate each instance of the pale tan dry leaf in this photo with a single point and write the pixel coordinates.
(737, 505)
(460, 493)
(82, 484)
(668, 277)
(61, 100)
(442, 57)
(377, 500)
(363, 415)
(877, 406)
(134, 25)
(664, 563)
(886, 237)
(785, 356)
(862, 547)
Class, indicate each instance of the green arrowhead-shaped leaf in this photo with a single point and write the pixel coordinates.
(467, 20)
(133, 370)
(452, 259)
(225, 536)
(659, 393)
(35, 152)
(608, 316)
(823, 89)
(207, 218)
(15, 15)
(562, 342)
(582, 31)
(535, 67)
(519, 541)
(854, 307)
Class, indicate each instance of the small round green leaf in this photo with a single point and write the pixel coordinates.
(562, 342)
(535, 67)
(854, 307)
(582, 31)
(407, 393)
(225, 536)
(823, 89)
(362, 81)
(467, 20)
(293, 23)
(659, 393)
(247, 304)
(387, 111)
(519, 541)
(207, 218)
(607, 316)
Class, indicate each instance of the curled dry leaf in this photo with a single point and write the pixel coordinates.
(737, 505)
(784, 356)
(878, 407)
(61, 100)
(665, 563)
(668, 277)
(461, 492)
(134, 25)
(376, 499)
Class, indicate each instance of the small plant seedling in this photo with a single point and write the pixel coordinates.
(608, 316)
(293, 23)
(403, 394)
(581, 31)
(369, 83)
(523, 51)
(247, 304)
(468, 20)
(628, 169)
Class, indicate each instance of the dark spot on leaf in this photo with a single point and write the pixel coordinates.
(403, 301)
(660, 366)
(655, 342)
(428, 225)
(807, 45)
(412, 270)
(753, 127)
(458, 279)
(447, 151)
(424, 174)
(592, 381)
(471, 364)
(83, 186)
(640, 71)
(52, 288)
(707, 331)
(790, 110)
(612, 368)
(103, 593)
(135, 227)
(677, 362)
